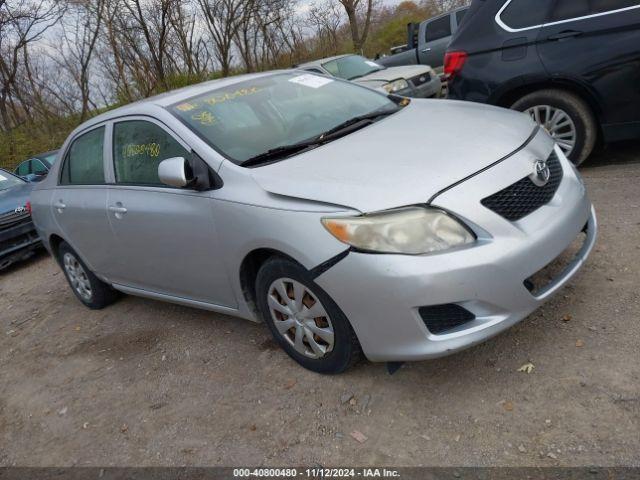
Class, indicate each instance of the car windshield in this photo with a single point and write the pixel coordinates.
(250, 118)
(8, 181)
(351, 67)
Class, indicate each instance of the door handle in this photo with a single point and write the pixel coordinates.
(425, 50)
(59, 205)
(565, 34)
(118, 210)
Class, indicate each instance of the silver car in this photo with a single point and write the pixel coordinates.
(349, 221)
(419, 81)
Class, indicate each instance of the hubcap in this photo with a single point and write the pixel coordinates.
(77, 276)
(558, 123)
(300, 318)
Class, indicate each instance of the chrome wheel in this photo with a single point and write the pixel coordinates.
(77, 276)
(559, 125)
(300, 318)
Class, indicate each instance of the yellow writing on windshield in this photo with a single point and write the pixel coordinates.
(204, 117)
(224, 97)
(187, 107)
(133, 149)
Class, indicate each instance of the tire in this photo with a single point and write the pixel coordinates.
(586, 131)
(282, 275)
(90, 290)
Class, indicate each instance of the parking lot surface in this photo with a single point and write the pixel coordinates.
(149, 383)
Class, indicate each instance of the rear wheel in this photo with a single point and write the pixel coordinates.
(566, 117)
(89, 289)
(303, 319)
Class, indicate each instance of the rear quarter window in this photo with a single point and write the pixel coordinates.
(521, 14)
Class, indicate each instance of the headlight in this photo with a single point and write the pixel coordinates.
(412, 230)
(396, 85)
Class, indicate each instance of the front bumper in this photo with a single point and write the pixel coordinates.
(16, 242)
(430, 89)
(381, 294)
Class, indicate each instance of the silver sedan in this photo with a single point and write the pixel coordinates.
(349, 221)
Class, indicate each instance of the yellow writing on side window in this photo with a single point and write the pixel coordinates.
(204, 117)
(133, 149)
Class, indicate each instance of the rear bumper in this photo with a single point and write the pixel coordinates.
(381, 294)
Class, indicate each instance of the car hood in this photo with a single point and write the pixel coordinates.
(403, 159)
(14, 197)
(394, 73)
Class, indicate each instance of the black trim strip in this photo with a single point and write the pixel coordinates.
(326, 265)
(521, 147)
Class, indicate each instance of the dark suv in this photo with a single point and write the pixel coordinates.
(573, 65)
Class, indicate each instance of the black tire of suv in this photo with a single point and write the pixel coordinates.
(102, 294)
(346, 350)
(576, 108)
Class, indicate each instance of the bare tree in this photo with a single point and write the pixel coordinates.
(223, 19)
(326, 19)
(21, 23)
(357, 9)
(81, 27)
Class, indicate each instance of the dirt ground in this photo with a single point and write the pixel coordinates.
(148, 383)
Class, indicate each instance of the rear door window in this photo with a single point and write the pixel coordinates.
(568, 9)
(83, 163)
(138, 148)
(521, 14)
(438, 28)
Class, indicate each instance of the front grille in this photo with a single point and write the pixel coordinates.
(441, 318)
(420, 79)
(11, 218)
(524, 197)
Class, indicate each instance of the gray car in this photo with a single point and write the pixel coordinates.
(418, 81)
(349, 221)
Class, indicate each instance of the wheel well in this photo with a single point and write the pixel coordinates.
(510, 97)
(249, 271)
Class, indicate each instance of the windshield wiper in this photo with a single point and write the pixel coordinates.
(339, 130)
(279, 152)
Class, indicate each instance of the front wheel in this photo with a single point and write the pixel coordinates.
(566, 117)
(303, 319)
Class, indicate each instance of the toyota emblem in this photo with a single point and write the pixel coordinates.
(541, 173)
(20, 210)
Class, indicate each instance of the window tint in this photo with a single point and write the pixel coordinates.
(138, 149)
(567, 9)
(83, 164)
(23, 168)
(526, 13)
(439, 28)
(38, 167)
(460, 15)
(599, 6)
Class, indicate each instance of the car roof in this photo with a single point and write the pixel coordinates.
(319, 62)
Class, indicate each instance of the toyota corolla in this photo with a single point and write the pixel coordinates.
(349, 221)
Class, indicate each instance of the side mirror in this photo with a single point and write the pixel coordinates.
(175, 172)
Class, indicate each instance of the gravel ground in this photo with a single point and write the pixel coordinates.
(148, 383)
